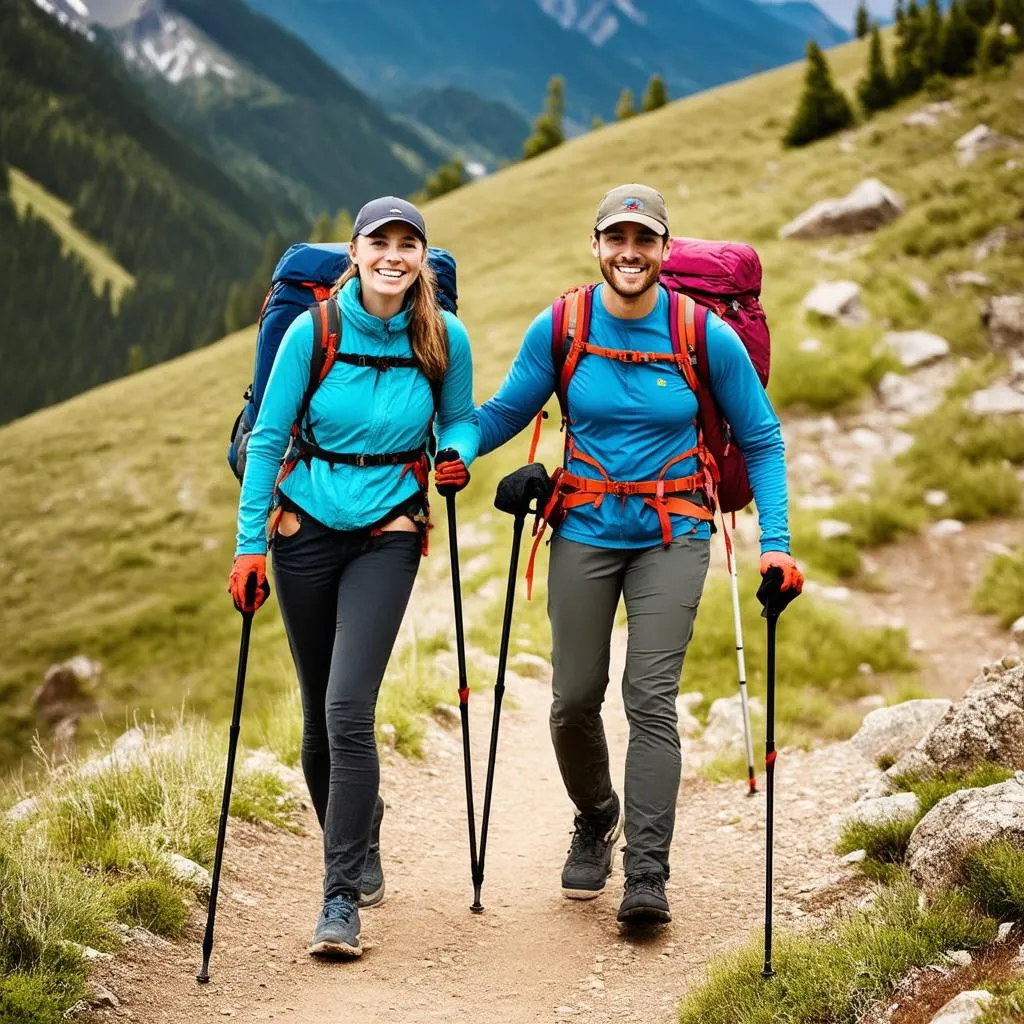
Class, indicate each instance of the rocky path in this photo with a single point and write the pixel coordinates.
(532, 956)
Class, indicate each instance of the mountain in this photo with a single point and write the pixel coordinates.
(508, 51)
(487, 131)
(811, 20)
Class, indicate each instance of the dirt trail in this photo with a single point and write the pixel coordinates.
(533, 955)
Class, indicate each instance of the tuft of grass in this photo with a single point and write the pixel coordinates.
(39, 998)
(1001, 590)
(885, 843)
(994, 876)
(931, 791)
(151, 903)
(1008, 1005)
(834, 977)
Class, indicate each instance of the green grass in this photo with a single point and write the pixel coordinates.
(29, 195)
(1001, 590)
(994, 876)
(833, 977)
(1008, 1005)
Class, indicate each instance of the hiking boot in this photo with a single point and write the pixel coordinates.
(645, 900)
(337, 931)
(590, 856)
(371, 887)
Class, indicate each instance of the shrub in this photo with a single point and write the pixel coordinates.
(152, 903)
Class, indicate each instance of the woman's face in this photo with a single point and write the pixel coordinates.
(389, 260)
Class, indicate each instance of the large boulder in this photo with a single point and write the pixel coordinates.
(964, 1008)
(880, 810)
(1004, 317)
(916, 348)
(725, 723)
(960, 824)
(980, 139)
(986, 724)
(890, 732)
(870, 205)
(66, 690)
(998, 400)
(836, 300)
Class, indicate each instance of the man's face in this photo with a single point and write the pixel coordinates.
(630, 256)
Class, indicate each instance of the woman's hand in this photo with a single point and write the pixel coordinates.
(248, 584)
(450, 473)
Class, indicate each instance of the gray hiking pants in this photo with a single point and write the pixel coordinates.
(662, 588)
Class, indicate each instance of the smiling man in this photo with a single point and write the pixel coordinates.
(632, 519)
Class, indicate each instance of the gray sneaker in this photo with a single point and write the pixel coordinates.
(337, 931)
(371, 888)
(590, 856)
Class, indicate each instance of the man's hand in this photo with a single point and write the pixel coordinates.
(518, 489)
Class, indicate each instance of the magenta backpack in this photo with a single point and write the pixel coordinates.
(726, 278)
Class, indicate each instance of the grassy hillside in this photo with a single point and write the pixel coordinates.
(119, 506)
(27, 194)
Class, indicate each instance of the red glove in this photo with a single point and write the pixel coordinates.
(248, 596)
(450, 473)
(792, 577)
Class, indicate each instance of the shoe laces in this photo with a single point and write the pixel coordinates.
(339, 909)
(587, 840)
(647, 881)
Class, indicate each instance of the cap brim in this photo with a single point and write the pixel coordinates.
(377, 224)
(633, 218)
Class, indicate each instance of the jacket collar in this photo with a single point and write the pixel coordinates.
(352, 308)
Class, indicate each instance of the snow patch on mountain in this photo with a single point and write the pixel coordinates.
(598, 20)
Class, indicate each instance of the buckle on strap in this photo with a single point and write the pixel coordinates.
(624, 488)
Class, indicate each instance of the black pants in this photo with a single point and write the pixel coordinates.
(342, 597)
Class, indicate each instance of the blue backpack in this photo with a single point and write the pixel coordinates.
(304, 277)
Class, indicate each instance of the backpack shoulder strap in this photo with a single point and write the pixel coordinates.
(688, 331)
(570, 331)
(326, 342)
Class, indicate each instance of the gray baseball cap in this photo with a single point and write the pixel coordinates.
(378, 212)
(637, 204)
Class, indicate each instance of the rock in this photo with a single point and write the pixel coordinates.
(836, 300)
(964, 1008)
(871, 701)
(810, 345)
(128, 749)
(890, 732)
(958, 957)
(945, 528)
(960, 824)
(992, 243)
(920, 288)
(855, 857)
(690, 700)
(23, 809)
(531, 665)
(447, 715)
(65, 690)
(1004, 931)
(882, 809)
(388, 735)
(986, 724)
(870, 205)
(688, 723)
(266, 761)
(100, 996)
(829, 593)
(980, 139)
(830, 529)
(1004, 317)
(967, 279)
(930, 114)
(997, 400)
(188, 871)
(1017, 629)
(129, 743)
(917, 348)
(725, 722)
(816, 502)
(935, 499)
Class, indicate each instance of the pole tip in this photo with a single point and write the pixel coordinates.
(477, 907)
(767, 972)
(203, 977)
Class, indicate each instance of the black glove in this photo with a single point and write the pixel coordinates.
(773, 598)
(518, 489)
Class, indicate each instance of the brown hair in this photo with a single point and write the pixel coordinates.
(428, 334)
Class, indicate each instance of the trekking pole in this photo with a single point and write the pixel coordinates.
(730, 559)
(236, 716)
(460, 647)
(774, 599)
(499, 693)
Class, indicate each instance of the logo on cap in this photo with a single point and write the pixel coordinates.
(632, 204)
(394, 209)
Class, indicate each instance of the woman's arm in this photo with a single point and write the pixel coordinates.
(527, 387)
(745, 404)
(269, 439)
(456, 418)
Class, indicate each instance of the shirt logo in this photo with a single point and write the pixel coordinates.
(662, 383)
(632, 204)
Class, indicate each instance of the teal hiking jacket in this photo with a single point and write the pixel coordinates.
(355, 409)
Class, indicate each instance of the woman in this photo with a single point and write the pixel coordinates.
(349, 523)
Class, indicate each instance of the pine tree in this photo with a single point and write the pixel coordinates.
(447, 178)
(323, 229)
(875, 89)
(862, 24)
(899, 17)
(929, 47)
(823, 109)
(958, 42)
(993, 50)
(343, 225)
(547, 128)
(625, 108)
(906, 77)
(655, 95)
(981, 12)
(598, 122)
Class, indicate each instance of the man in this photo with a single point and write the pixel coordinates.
(629, 420)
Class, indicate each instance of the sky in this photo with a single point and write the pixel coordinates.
(842, 11)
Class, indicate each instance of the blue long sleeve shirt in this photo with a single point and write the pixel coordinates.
(355, 409)
(633, 418)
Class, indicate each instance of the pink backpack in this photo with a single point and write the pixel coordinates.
(726, 278)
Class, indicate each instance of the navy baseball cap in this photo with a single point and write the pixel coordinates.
(378, 212)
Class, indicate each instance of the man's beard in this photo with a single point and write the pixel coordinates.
(644, 280)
